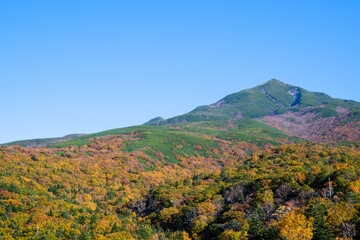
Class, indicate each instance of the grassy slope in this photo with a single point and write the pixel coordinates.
(240, 130)
(270, 97)
(166, 143)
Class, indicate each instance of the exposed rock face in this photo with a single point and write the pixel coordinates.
(295, 92)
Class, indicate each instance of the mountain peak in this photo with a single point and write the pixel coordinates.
(274, 81)
(270, 98)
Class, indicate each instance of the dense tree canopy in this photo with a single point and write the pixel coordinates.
(235, 191)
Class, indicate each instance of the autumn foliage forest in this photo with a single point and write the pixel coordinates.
(224, 189)
(216, 173)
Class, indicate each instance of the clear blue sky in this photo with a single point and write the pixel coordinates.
(86, 66)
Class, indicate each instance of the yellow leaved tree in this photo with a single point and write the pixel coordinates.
(295, 226)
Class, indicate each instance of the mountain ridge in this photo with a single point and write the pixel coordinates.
(270, 98)
(43, 142)
(274, 103)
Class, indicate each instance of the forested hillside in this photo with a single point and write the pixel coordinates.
(239, 191)
(285, 167)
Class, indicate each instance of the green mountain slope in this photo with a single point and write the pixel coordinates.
(288, 110)
(270, 98)
(168, 143)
